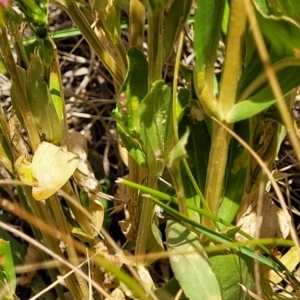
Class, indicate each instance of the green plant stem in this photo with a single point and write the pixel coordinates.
(38, 236)
(220, 137)
(22, 106)
(136, 23)
(233, 56)
(175, 173)
(216, 171)
(145, 223)
(80, 21)
(81, 291)
(155, 23)
(41, 213)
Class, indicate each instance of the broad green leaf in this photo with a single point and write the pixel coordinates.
(52, 166)
(133, 147)
(279, 23)
(55, 92)
(264, 98)
(190, 264)
(7, 270)
(198, 146)
(40, 101)
(174, 21)
(133, 90)
(231, 271)
(208, 22)
(156, 125)
(236, 175)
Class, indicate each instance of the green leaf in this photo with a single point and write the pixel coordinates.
(279, 23)
(178, 152)
(156, 125)
(174, 20)
(236, 175)
(190, 264)
(264, 98)
(133, 90)
(7, 269)
(208, 21)
(40, 101)
(55, 92)
(231, 271)
(198, 145)
(154, 242)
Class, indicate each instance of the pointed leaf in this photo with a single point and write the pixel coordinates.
(279, 22)
(52, 166)
(174, 20)
(208, 21)
(236, 175)
(156, 125)
(133, 90)
(231, 271)
(190, 264)
(264, 98)
(40, 101)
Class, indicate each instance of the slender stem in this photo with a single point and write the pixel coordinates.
(145, 223)
(233, 57)
(82, 288)
(175, 84)
(41, 213)
(136, 23)
(175, 173)
(216, 171)
(220, 137)
(155, 22)
(39, 237)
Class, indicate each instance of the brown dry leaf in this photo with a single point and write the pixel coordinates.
(33, 256)
(52, 166)
(96, 209)
(290, 260)
(129, 225)
(85, 178)
(16, 138)
(275, 223)
(83, 175)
